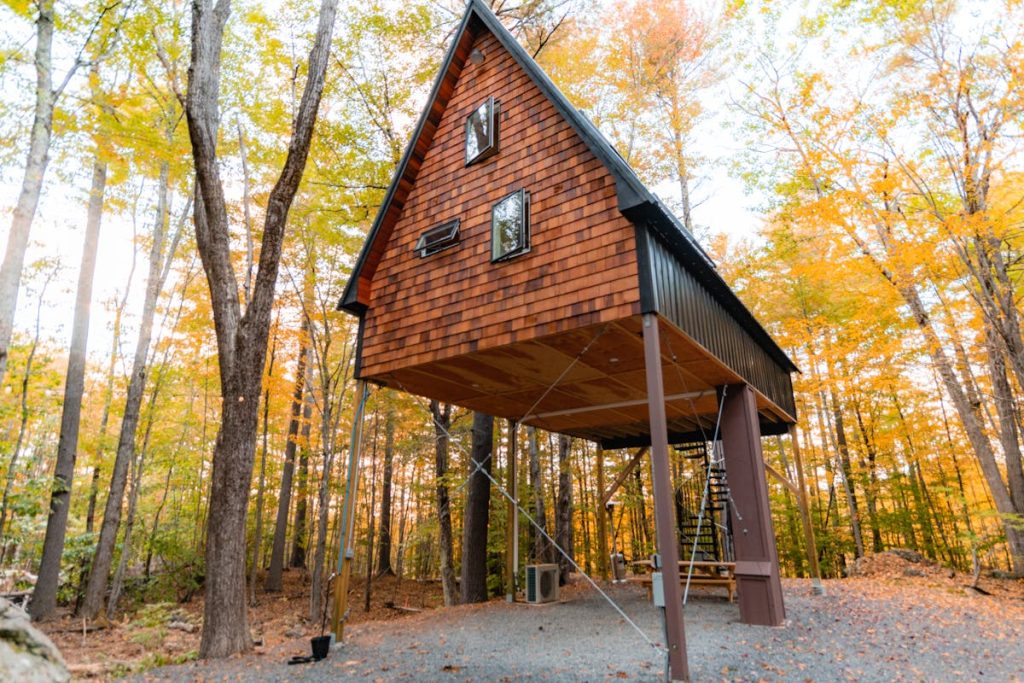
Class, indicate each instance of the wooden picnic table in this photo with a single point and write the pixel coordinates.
(706, 573)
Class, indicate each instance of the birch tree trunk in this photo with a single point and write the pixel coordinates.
(44, 596)
(31, 183)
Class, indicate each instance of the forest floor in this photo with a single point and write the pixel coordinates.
(168, 633)
(895, 620)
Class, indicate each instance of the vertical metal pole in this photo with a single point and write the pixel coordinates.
(602, 518)
(757, 559)
(348, 517)
(805, 514)
(664, 512)
(512, 521)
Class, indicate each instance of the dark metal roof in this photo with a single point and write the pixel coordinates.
(636, 202)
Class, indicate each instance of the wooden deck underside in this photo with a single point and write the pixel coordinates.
(589, 382)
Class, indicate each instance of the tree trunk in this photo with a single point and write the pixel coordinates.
(317, 591)
(108, 398)
(563, 511)
(44, 596)
(103, 557)
(372, 515)
(139, 467)
(975, 433)
(541, 546)
(1009, 438)
(847, 470)
(476, 518)
(257, 540)
(31, 185)
(299, 532)
(241, 339)
(384, 547)
(442, 423)
(870, 490)
(274, 582)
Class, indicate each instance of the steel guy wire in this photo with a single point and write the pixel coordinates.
(505, 493)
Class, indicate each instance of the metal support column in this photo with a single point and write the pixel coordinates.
(664, 512)
(757, 560)
(348, 517)
(805, 515)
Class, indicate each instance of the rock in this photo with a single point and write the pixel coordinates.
(26, 654)
(905, 554)
(185, 626)
(1000, 574)
(912, 571)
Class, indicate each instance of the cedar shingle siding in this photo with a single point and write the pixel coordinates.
(581, 267)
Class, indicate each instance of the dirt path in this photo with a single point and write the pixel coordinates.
(862, 630)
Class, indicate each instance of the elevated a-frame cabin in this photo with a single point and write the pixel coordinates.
(520, 268)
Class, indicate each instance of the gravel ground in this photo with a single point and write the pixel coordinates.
(860, 631)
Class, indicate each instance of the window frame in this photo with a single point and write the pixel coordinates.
(451, 228)
(492, 132)
(524, 228)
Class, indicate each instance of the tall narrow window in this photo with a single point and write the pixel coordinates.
(482, 132)
(510, 226)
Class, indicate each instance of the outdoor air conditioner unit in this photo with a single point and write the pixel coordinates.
(541, 583)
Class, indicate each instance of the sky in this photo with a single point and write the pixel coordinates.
(59, 227)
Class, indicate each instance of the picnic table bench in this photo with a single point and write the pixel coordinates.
(705, 573)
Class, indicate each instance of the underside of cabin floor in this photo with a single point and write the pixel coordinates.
(589, 382)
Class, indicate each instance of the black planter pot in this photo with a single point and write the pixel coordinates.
(321, 646)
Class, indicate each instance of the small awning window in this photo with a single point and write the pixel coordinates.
(438, 238)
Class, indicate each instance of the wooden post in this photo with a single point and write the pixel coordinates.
(512, 522)
(757, 560)
(805, 515)
(664, 509)
(602, 515)
(346, 552)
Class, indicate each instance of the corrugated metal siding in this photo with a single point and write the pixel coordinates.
(681, 299)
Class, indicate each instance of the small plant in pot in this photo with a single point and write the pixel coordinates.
(321, 644)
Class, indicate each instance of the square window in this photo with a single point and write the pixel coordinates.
(438, 238)
(481, 132)
(510, 226)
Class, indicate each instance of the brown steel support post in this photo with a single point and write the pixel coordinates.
(805, 514)
(346, 551)
(602, 518)
(664, 510)
(757, 560)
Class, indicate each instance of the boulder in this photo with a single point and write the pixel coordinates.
(906, 554)
(26, 654)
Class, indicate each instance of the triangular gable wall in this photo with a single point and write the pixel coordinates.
(581, 268)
